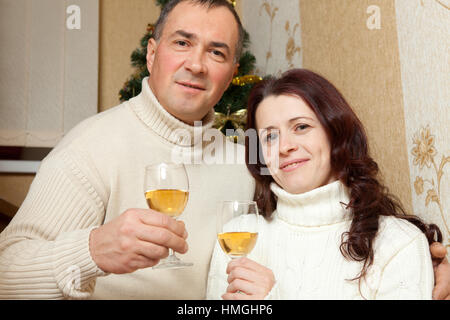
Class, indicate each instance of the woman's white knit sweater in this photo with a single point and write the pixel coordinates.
(301, 246)
(93, 176)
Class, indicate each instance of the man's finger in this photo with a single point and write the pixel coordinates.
(158, 219)
(141, 262)
(438, 250)
(440, 292)
(158, 236)
(442, 279)
(151, 251)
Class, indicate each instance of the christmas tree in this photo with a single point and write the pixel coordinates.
(230, 110)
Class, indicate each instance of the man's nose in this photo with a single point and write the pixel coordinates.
(195, 62)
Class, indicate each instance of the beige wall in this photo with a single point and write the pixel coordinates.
(14, 187)
(364, 65)
(122, 25)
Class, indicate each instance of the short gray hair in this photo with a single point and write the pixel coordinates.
(209, 4)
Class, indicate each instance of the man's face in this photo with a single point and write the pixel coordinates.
(193, 62)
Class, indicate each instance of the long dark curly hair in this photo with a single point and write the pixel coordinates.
(350, 162)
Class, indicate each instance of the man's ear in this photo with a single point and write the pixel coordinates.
(236, 70)
(151, 51)
(235, 73)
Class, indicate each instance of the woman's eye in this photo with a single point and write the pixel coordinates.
(270, 137)
(302, 127)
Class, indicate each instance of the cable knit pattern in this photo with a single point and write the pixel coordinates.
(96, 173)
(300, 244)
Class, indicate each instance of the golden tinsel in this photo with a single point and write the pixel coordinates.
(243, 80)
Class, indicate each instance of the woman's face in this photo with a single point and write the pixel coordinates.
(295, 145)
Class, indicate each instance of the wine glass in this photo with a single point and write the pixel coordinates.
(237, 227)
(166, 190)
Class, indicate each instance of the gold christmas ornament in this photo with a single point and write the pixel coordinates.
(243, 80)
(233, 2)
(237, 119)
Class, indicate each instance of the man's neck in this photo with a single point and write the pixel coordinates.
(182, 119)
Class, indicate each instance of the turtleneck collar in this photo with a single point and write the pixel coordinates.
(318, 207)
(153, 115)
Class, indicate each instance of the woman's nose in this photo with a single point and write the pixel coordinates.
(287, 145)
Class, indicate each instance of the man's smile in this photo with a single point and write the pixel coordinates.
(190, 86)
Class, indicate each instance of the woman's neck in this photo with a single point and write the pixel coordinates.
(322, 206)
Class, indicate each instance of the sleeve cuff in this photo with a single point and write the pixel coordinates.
(74, 269)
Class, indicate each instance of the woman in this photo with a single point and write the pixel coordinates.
(331, 230)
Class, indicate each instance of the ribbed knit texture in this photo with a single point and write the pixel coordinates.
(93, 176)
(301, 246)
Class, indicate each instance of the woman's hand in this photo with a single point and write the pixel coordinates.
(248, 280)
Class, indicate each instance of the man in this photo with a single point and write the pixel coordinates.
(78, 233)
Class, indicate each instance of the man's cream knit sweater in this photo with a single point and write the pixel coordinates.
(301, 246)
(93, 176)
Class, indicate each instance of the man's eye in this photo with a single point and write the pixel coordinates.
(181, 43)
(218, 53)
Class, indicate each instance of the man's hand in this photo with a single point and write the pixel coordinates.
(441, 267)
(137, 239)
(248, 280)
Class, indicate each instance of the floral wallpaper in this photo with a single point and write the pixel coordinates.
(425, 24)
(275, 34)
(431, 174)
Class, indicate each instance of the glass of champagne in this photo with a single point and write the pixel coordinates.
(237, 227)
(167, 191)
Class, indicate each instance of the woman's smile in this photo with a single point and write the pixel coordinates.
(292, 165)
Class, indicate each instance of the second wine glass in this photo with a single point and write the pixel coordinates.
(237, 227)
